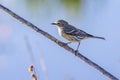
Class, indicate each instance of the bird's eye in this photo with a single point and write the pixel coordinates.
(58, 23)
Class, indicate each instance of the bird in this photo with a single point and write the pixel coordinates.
(71, 33)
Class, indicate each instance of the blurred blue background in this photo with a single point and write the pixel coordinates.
(97, 17)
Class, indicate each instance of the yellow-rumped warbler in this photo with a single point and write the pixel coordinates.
(71, 33)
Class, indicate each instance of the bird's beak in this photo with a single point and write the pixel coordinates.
(53, 23)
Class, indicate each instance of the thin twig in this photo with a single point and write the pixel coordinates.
(80, 56)
(31, 68)
(42, 63)
(29, 49)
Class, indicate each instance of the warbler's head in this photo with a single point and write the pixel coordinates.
(60, 23)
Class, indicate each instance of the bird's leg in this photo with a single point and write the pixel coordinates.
(76, 51)
(78, 46)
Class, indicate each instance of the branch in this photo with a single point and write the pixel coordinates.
(80, 56)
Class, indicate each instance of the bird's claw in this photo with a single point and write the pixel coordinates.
(76, 52)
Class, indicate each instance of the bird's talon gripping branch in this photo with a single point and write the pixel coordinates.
(76, 52)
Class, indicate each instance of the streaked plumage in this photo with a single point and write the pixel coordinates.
(71, 33)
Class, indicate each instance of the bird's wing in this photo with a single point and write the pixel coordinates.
(76, 32)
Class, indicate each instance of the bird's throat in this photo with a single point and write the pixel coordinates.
(60, 31)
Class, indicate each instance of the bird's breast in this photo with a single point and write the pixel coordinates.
(60, 31)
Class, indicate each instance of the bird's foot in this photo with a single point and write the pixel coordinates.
(76, 52)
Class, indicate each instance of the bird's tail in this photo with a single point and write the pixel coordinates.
(98, 37)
